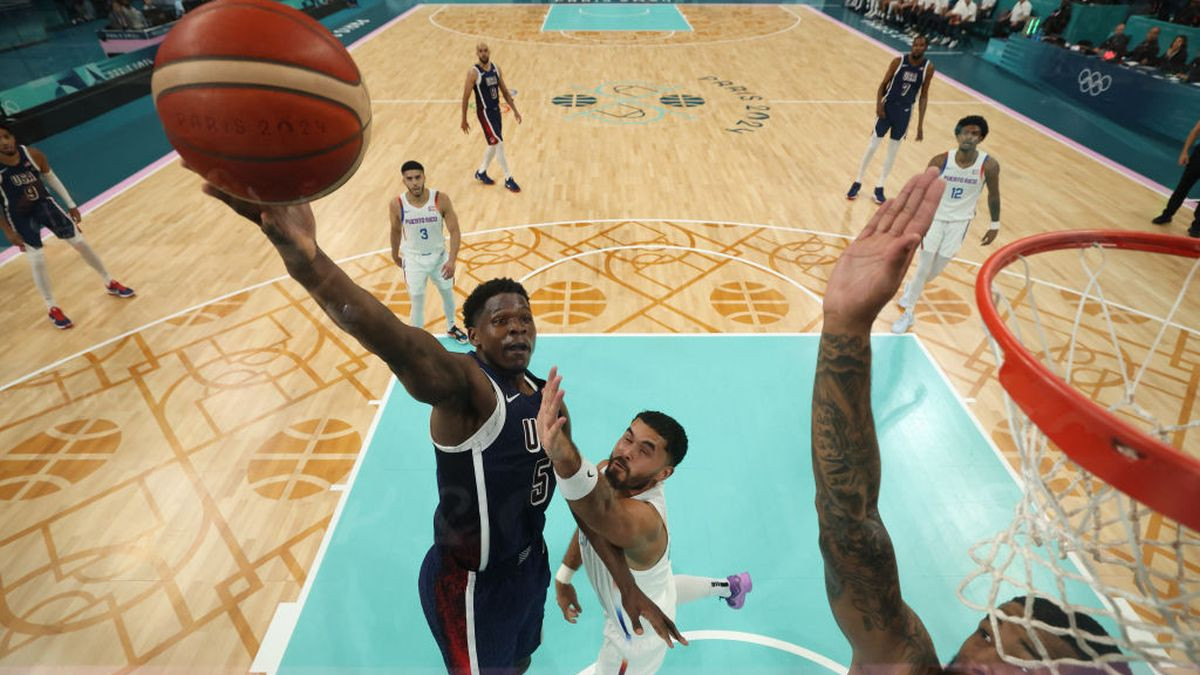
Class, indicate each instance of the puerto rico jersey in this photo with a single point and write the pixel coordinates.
(963, 187)
(493, 489)
(423, 231)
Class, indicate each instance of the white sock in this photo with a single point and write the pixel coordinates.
(690, 589)
(37, 261)
(925, 262)
(89, 256)
(503, 160)
(488, 154)
(447, 304)
(862, 166)
(888, 161)
(417, 318)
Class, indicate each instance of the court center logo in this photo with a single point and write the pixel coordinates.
(629, 102)
(1093, 82)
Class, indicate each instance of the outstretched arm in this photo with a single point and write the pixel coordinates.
(861, 577)
(430, 373)
(627, 523)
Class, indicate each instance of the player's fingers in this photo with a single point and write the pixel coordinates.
(925, 208)
(907, 203)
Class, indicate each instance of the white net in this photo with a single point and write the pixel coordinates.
(1123, 342)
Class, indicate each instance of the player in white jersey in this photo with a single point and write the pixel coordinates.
(628, 510)
(419, 245)
(965, 171)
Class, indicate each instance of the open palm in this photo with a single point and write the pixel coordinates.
(871, 268)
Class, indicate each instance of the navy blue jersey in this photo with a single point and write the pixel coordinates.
(906, 84)
(487, 87)
(494, 488)
(21, 188)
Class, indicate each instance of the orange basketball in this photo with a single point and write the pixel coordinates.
(262, 100)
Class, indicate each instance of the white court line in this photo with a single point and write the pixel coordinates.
(660, 247)
(755, 639)
(413, 101)
(513, 228)
(576, 45)
(269, 662)
(829, 101)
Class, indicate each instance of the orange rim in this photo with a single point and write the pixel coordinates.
(1143, 467)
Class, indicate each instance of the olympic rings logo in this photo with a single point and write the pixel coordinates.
(1093, 82)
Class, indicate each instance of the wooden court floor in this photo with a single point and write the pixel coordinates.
(166, 466)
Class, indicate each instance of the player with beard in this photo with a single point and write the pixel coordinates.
(627, 509)
(483, 582)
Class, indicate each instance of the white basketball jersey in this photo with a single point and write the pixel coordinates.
(963, 187)
(658, 582)
(422, 225)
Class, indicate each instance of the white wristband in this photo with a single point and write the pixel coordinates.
(581, 484)
(564, 574)
(55, 184)
(995, 225)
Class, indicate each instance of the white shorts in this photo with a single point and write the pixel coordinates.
(643, 653)
(419, 267)
(945, 237)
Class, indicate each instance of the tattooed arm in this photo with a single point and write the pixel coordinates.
(861, 577)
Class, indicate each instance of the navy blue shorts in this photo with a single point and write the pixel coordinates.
(45, 213)
(489, 121)
(490, 620)
(895, 119)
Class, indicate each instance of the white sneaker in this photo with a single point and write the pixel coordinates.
(900, 326)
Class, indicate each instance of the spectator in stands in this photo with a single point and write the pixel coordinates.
(932, 21)
(1190, 15)
(1014, 20)
(124, 15)
(1147, 51)
(986, 8)
(1193, 72)
(1056, 24)
(1174, 60)
(960, 20)
(1117, 44)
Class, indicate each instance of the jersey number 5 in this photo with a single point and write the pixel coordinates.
(540, 490)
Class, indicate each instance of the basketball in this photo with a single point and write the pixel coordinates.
(261, 100)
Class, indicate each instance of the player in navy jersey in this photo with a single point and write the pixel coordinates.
(26, 207)
(907, 78)
(487, 84)
(483, 583)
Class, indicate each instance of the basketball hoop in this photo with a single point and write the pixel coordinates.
(1111, 495)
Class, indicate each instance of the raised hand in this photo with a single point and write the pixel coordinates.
(871, 268)
(549, 421)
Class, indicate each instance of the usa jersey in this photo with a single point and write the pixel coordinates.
(963, 187)
(494, 487)
(21, 186)
(422, 225)
(906, 83)
(487, 88)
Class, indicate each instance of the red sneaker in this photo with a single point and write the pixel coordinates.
(59, 319)
(114, 287)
